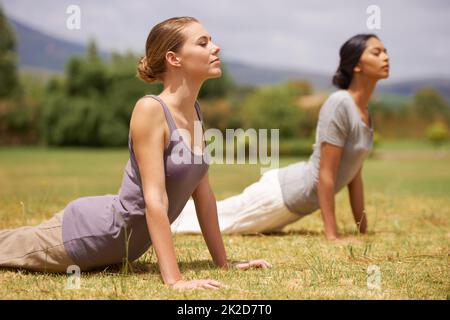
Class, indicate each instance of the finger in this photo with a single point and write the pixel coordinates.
(212, 283)
(215, 283)
(262, 261)
(258, 264)
(254, 264)
(243, 265)
(208, 286)
(262, 266)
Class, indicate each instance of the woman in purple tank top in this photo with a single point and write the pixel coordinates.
(164, 170)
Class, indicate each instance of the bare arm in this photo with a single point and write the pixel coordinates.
(205, 205)
(356, 195)
(147, 131)
(330, 156)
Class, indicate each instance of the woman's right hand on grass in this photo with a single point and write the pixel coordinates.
(196, 284)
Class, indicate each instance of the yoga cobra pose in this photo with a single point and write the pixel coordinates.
(344, 138)
(97, 231)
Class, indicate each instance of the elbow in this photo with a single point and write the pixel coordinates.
(326, 181)
(156, 205)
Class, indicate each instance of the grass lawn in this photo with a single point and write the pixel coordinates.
(407, 188)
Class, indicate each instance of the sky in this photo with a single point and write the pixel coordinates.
(291, 34)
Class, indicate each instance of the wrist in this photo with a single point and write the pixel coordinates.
(172, 282)
(222, 263)
(362, 223)
(233, 264)
(331, 235)
(227, 265)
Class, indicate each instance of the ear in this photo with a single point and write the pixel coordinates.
(172, 59)
(357, 68)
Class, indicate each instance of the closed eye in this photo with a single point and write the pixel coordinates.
(203, 40)
(377, 51)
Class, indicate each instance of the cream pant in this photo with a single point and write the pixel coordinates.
(259, 208)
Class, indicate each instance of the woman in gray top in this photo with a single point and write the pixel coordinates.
(344, 138)
(97, 231)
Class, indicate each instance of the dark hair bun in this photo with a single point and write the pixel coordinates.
(341, 79)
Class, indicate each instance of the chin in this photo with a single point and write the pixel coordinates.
(215, 74)
(382, 76)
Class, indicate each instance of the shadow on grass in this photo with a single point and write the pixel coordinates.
(137, 267)
(300, 232)
(310, 233)
(294, 232)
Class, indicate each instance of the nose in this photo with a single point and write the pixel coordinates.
(216, 48)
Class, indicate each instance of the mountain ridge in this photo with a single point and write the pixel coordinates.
(46, 53)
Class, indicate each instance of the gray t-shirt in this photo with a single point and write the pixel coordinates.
(340, 124)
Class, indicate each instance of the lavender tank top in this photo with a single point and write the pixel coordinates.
(95, 228)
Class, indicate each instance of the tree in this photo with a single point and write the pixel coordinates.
(93, 105)
(87, 75)
(9, 83)
(430, 104)
(273, 108)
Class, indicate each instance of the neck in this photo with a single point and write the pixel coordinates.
(361, 91)
(180, 91)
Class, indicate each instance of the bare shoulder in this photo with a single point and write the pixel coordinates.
(147, 115)
(147, 109)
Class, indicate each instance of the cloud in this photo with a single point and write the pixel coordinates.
(287, 33)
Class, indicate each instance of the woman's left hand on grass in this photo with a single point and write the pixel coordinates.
(259, 263)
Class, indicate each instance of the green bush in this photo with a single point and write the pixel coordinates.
(296, 148)
(376, 139)
(92, 105)
(70, 121)
(437, 133)
(272, 108)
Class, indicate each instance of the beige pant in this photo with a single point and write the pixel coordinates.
(36, 248)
